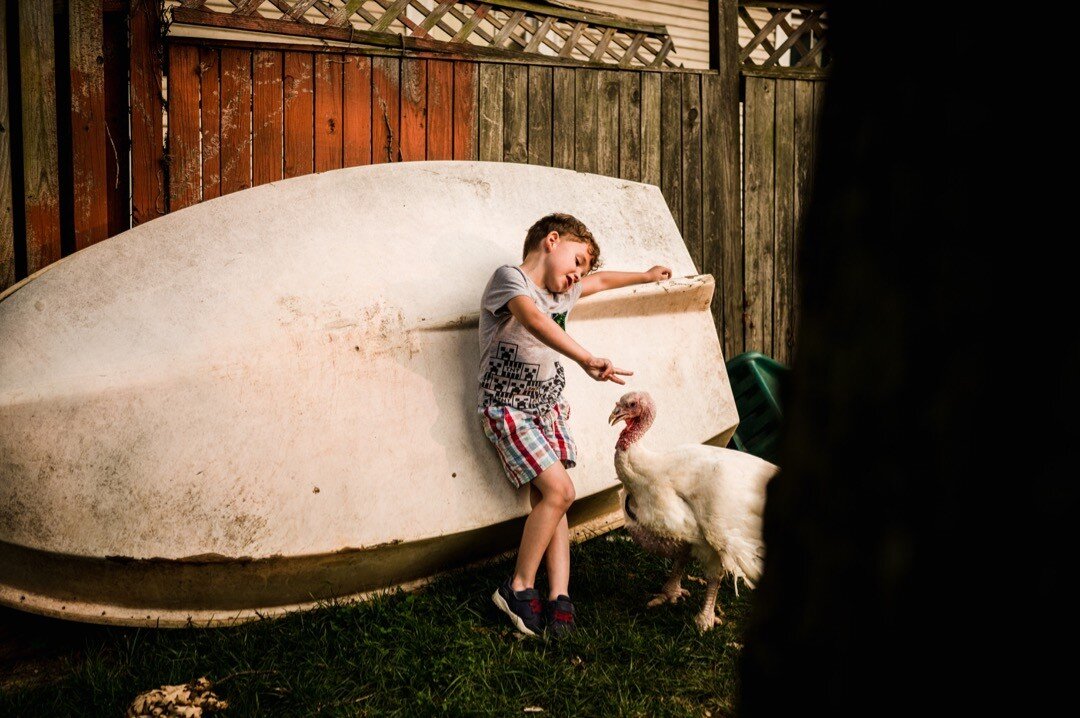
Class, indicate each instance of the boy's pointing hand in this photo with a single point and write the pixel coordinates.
(658, 274)
(603, 370)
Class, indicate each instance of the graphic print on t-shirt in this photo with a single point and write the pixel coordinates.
(514, 383)
(560, 319)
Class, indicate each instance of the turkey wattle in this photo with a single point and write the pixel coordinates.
(691, 501)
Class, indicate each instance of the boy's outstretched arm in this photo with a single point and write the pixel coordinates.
(593, 283)
(545, 329)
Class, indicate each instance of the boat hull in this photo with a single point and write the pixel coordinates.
(268, 399)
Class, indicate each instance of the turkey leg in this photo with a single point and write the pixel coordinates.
(672, 589)
(708, 618)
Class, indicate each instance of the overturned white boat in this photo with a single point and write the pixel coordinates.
(267, 399)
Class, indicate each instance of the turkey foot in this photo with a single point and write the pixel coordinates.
(708, 618)
(672, 589)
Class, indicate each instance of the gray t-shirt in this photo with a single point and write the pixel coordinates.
(516, 368)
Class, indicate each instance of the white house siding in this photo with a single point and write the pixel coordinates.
(687, 22)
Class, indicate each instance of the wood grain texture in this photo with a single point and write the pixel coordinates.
(540, 120)
(7, 217)
(586, 99)
(466, 110)
(724, 139)
(87, 65)
(758, 214)
(267, 117)
(515, 114)
(607, 123)
(491, 112)
(185, 174)
(630, 125)
(147, 148)
(356, 110)
(210, 84)
(41, 179)
(671, 144)
(783, 338)
(413, 109)
(235, 120)
(691, 162)
(650, 128)
(440, 125)
(328, 100)
(563, 120)
(385, 109)
(299, 109)
(117, 145)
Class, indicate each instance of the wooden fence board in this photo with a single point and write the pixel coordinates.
(563, 121)
(515, 113)
(185, 175)
(41, 179)
(586, 98)
(235, 120)
(758, 214)
(385, 109)
(491, 112)
(721, 207)
(466, 110)
(540, 97)
(607, 123)
(147, 141)
(267, 117)
(298, 88)
(804, 148)
(117, 146)
(413, 109)
(328, 99)
(210, 85)
(7, 217)
(671, 144)
(356, 110)
(440, 125)
(650, 128)
(87, 53)
(784, 220)
(691, 162)
(630, 125)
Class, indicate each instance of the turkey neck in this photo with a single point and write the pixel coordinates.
(635, 429)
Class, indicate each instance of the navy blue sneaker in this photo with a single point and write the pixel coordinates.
(523, 607)
(560, 616)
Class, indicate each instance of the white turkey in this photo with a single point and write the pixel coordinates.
(691, 501)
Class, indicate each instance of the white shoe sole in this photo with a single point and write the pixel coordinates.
(499, 601)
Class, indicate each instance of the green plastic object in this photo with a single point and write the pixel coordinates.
(758, 385)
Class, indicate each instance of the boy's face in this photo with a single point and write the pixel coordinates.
(566, 261)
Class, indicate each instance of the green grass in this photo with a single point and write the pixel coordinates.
(444, 649)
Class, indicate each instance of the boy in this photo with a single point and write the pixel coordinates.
(522, 326)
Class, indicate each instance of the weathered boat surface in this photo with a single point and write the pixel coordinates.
(267, 399)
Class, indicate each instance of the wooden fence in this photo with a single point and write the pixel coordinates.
(239, 114)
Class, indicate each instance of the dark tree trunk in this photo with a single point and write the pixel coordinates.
(894, 582)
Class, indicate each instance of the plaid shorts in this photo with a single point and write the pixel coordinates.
(526, 443)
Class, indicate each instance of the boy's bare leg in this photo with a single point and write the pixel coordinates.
(556, 494)
(557, 556)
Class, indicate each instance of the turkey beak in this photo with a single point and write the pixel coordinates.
(616, 415)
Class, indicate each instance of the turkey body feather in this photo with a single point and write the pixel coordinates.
(692, 500)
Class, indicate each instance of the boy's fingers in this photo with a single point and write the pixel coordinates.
(624, 372)
(616, 379)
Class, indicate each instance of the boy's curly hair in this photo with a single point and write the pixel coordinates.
(564, 224)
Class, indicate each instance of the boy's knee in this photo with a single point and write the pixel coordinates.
(564, 493)
(557, 487)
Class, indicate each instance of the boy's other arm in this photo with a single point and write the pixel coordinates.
(601, 281)
(545, 329)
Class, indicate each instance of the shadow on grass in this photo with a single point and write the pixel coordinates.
(444, 649)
